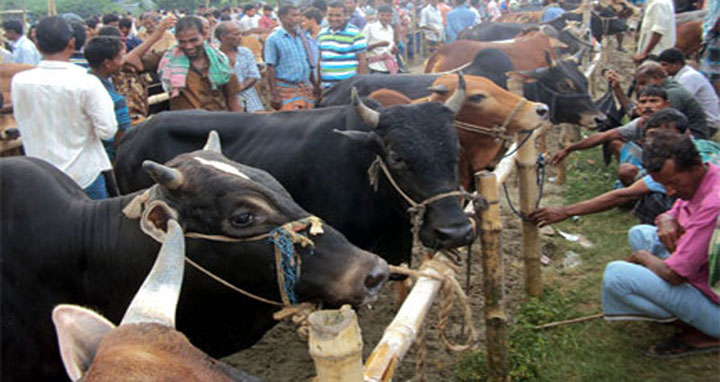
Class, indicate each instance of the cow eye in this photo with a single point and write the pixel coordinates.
(395, 160)
(242, 219)
(476, 97)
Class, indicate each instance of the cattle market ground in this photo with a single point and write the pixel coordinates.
(590, 351)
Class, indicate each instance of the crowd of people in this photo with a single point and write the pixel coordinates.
(93, 80)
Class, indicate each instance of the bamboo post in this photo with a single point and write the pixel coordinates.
(336, 345)
(495, 318)
(561, 170)
(526, 162)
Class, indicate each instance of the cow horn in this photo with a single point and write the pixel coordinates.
(457, 99)
(213, 143)
(165, 176)
(440, 89)
(370, 116)
(157, 298)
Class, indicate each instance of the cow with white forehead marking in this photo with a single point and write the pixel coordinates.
(58, 246)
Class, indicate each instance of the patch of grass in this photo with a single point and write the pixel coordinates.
(594, 350)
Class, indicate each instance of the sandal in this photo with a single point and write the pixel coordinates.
(674, 347)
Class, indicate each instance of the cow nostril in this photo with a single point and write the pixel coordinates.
(454, 233)
(542, 110)
(376, 278)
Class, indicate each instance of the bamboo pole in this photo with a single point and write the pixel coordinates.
(336, 345)
(402, 331)
(526, 162)
(561, 170)
(495, 318)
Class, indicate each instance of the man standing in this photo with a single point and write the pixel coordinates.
(24, 51)
(267, 20)
(250, 21)
(243, 63)
(196, 75)
(356, 16)
(63, 112)
(342, 48)
(458, 19)
(131, 41)
(657, 31)
(667, 277)
(381, 43)
(673, 61)
(105, 57)
(287, 55)
(149, 21)
(431, 21)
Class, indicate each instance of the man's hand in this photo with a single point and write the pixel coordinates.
(382, 43)
(166, 23)
(612, 77)
(656, 265)
(639, 58)
(275, 102)
(669, 231)
(559, 156)
(549, 215)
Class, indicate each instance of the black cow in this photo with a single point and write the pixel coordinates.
(489, 63)
(323, 157)
(561, 86)
(58, 246)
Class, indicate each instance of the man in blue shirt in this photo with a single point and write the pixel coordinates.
(24, 50)
(458, 19)
(287, 55)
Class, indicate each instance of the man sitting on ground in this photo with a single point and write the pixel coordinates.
(625, 141)
(665, 279)
(651, 194)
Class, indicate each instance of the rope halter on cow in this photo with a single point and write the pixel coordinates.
(496, 131)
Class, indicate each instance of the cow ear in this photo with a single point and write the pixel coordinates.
(557, 44)
(365, 138)
(79, 332)
(154, 219)
(521, 76)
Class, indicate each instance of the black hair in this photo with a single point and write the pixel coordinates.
(221, 30)
(337, 4)
(384, 9)
(92, 22)
(102, 48)
(13, 25)
(668, 117)
(672, 56)
(459, 2)
(125, 23)
(53, 35)
(109, 30)
(321, 5)
(110, 18)
(313, 13)
(188, 22)
(285, 9)
(666, 145)
(267, 7)
(225, 17)
(79, 32)
(248, 7)
(653, 91)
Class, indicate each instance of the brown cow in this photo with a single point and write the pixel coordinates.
(689, 37)
(486, 105)
(146, 346)
(9, 144)
(526, 52)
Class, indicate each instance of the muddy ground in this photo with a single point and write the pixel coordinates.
(283, 356)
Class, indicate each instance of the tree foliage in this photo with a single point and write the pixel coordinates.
(84, 8)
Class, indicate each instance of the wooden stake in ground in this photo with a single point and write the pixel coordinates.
(495, 318)
(336, 345)
(526, 163)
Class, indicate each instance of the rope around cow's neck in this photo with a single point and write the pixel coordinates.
(496, 131)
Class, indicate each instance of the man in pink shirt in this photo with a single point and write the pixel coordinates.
(666, 277)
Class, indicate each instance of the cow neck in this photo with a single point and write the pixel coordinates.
(496, 131)
(284, 238)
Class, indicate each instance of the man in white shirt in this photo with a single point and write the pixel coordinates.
(431, 21)
(381, 43)
(657, 32)
(673, 61)
(24, 51)
(250, 21)
(63, 112)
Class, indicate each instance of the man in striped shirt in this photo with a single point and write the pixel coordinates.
(342, 47)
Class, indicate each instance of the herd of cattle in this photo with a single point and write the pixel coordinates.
(431, 131)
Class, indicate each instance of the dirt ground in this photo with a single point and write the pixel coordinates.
(283, 356)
